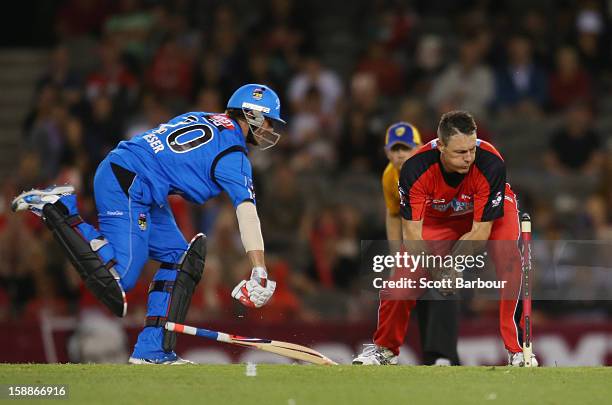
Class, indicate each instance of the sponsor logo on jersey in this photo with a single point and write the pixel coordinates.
(142, 222)
(221, 121)
(403, 197)
(457, 206)
(115, 213)
(497, 200)
(248, 182)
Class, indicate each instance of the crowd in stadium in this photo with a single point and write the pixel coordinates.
(121, 67)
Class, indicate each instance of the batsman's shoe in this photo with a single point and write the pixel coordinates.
(35, 199)
(518, 360)
(374, 355)
(169, 360)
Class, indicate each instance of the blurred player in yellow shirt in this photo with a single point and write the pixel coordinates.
(401, 142)
(437, 319)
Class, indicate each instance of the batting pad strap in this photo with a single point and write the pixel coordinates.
(250, 228)
(155, 321)
(161, 286)
(74, 220)
(110, 264)
(169, 266)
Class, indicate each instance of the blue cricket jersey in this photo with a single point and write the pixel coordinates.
(196, 155)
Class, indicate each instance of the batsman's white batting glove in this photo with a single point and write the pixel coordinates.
(256, 291)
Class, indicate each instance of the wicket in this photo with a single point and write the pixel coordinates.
(526, 288)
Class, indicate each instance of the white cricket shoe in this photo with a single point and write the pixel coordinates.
(34, 200)
(518, 360)
(374, 355)
(175, 361)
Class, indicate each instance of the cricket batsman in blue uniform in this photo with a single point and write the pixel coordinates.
(196, 155)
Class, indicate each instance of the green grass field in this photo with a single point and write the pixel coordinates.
(298, 385)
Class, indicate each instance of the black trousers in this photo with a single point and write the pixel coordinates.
(438, 318)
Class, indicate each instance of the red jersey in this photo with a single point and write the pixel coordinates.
(426, 190)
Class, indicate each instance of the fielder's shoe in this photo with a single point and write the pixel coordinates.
(517, 360)
(171, 359)
(34, 200)
(374, 355)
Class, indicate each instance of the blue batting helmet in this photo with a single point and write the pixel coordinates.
(257, 97)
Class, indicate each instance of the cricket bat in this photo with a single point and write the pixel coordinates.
(291, 350)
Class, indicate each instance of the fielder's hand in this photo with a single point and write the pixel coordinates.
(448, 277)
(256, 291)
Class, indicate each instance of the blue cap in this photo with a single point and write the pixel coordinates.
(404, 133)
(257, 97)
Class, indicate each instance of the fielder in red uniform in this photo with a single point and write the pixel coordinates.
(437, 315)
(454, 188)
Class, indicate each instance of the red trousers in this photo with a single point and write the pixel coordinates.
(394, 315)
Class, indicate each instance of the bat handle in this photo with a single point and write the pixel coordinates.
(190, 330)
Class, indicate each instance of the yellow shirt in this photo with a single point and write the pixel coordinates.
(390, 184)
